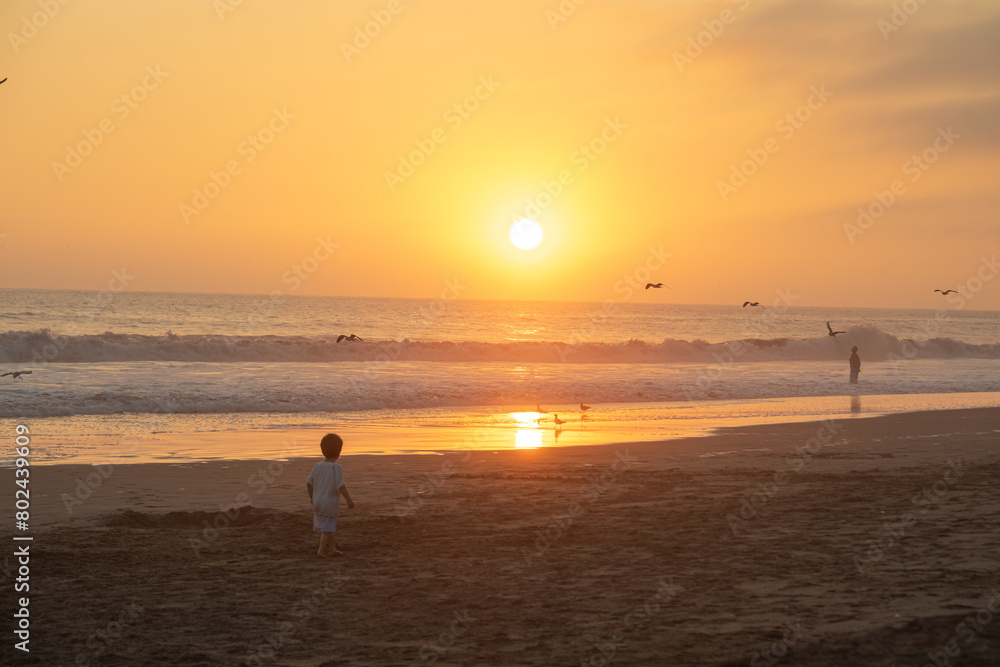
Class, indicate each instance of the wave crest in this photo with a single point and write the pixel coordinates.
(44, 346)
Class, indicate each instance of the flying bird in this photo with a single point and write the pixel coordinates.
(351, 337)
(832, 332)
(752, 303)
(656, 285)
(946, 292)
(584, 407)
(17, 374)
(559, 422)
(4, 79)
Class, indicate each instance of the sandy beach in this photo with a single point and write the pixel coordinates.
(855, 542)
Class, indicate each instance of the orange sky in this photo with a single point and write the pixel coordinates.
(300, 120)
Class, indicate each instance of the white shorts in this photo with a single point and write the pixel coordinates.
(324, 524)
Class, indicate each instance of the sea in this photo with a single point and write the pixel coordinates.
(143, 377)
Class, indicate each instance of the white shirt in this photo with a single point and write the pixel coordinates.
(326, 479)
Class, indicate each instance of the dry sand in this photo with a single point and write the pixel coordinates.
(868, 544)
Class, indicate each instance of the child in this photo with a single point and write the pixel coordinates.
(326, 485)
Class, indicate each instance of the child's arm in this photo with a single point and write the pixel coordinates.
(310, 487)
(347, 496)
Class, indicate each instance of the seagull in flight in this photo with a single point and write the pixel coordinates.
(4, 79)
(559, 422)
(947, 291)
(752, 303)
(832, 332)
(656, 285)
(17, 374)
(584, 407)
(351, 337)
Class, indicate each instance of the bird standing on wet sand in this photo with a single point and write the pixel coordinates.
(947, 291)
(832, 332)
(559, 422)
(655, 285)
(538, 409)
(17, 374)
(584, 407)
(351, 337)
(752, 303)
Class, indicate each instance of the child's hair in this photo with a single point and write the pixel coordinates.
(331, 444)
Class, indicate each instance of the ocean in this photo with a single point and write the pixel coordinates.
(183, 377)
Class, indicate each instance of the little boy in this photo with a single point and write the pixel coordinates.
(326, 485)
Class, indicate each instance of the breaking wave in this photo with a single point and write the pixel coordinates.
(40, 346)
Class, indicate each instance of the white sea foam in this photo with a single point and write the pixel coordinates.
(336, 387)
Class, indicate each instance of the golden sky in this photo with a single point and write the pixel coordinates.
(213, 146)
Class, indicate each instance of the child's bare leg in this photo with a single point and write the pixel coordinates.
(324, 543)
(333, 546)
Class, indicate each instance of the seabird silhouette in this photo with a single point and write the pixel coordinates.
(656, 285)
(538, 409)
(17, 374)
(752, 303)
(584, 407)
(559, 422)
(946, 292)
(832, 332)
(351, 337)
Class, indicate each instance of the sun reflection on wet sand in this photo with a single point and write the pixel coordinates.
(525, 418)
(527, 438)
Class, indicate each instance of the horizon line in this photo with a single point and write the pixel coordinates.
(410, 298)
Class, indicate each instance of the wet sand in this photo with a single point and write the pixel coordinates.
(863, 542)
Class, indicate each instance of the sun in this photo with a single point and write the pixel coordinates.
(526, 234)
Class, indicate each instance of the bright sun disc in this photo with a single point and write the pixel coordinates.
(526, 234)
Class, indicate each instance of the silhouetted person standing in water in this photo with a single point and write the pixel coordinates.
(855, 364)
